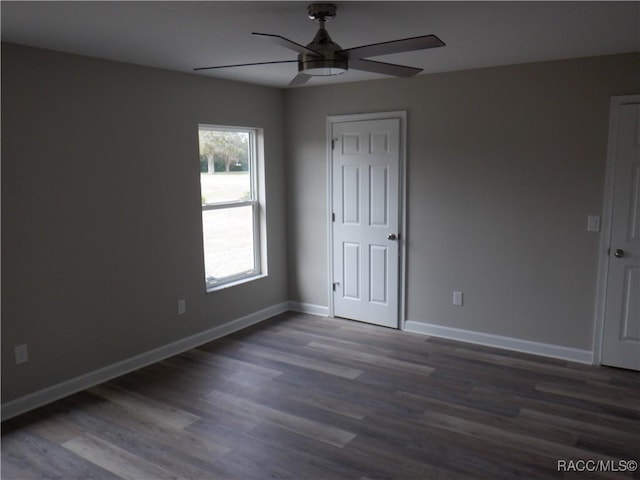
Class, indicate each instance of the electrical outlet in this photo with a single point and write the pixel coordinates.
(22, 354)
(593, 223)
(182, 307)
(457, 298)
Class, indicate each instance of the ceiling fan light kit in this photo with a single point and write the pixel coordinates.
(323, 57)
(321, 67)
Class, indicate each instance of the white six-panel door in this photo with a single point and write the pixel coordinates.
(366, 239)
(621, 339)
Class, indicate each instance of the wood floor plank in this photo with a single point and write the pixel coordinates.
(616, 400)
(101, 418)
(221, 361)
(502, 437)
(115, 459)
(31, 456)
(324, 433)
(358, 458)
(525, 425)
(536, 367)
(56, 428)
(291, 399)
(581, 426)
(371, 359)
(184, 455)
(145, 406)
(431, 451)
(270, 444)
(304, 362)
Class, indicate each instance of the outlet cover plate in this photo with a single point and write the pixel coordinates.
(22, 354)
(182, 307)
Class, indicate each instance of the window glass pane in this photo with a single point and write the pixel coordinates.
(228, 242)
(225, 187)
(225, 162)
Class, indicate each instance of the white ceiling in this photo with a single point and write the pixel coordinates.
(181, 35)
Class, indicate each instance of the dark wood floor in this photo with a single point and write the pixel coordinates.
(305, 397)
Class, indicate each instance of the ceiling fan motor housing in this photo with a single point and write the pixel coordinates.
(328, 62)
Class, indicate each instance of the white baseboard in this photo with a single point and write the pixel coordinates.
(507, 343)
(309, 308)
(74, 385)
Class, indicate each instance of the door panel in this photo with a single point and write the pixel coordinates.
(351, 194)
(378, 277)
(365, 166)
(631, 329)
(621, 340)
(351, 259)
(378, 196)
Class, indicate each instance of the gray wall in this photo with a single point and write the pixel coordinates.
(101, 222)
(504, 166)
(101, 208)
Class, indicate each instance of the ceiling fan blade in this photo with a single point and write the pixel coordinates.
(290, 44)
(382, 67)
(299, 79)
(245, 64)
(394, 46)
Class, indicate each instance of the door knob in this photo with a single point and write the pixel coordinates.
(392, 236)
(619, 253)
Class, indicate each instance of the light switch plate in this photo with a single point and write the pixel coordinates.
(593, 223)
(457, 298)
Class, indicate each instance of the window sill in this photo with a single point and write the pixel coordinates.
(235, 283)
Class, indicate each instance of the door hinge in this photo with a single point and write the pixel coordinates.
(333, 143)
(335, 285)
(333, 217)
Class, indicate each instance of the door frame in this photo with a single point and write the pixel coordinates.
(402, 199)
(607, 226)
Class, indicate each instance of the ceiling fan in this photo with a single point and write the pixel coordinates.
(323, 57)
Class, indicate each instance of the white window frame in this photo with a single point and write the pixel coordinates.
(257, 203)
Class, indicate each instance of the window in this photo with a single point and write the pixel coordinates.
(231, 204)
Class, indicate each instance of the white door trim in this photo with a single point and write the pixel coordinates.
(358, 117)
(606, 224)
